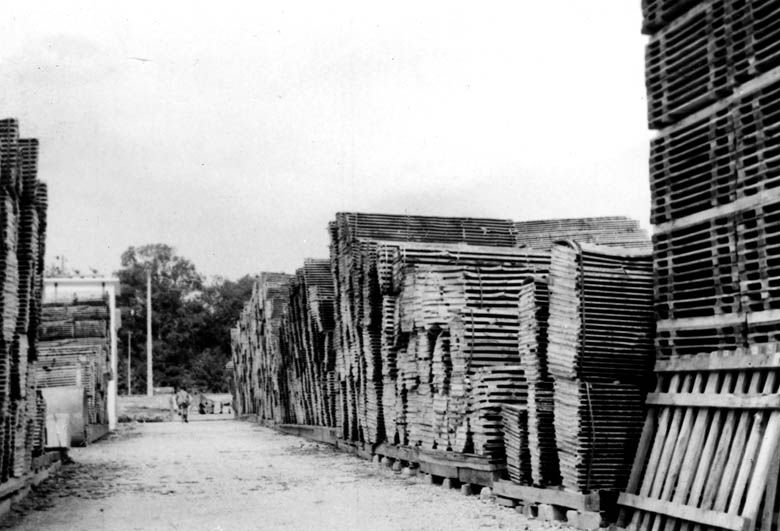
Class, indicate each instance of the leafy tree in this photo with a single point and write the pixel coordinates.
(191, 320)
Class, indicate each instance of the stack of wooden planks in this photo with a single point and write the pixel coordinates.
(257, 360)
(433, 333)
(74, 350)
(600, 353)
(713, 79)
(355, 253)
(713, 172)
(306, 343)
(534, 312)
(23, 205)
(616, 231)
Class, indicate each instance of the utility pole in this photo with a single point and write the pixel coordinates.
(149, 382)
(129, 360)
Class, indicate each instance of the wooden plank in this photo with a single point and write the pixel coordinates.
(646, 519)
(437, 469)
(563, 498)
(698, 458)
(770, 497)
(655, 453)
(714, 321)
(713, 400)
(704, 517)
(769, 448)
(678, 465)
(722, 362)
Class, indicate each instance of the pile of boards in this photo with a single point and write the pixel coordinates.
(23, 206)
(74, 351)
(707, 457)
(462, 335)
(283, 350)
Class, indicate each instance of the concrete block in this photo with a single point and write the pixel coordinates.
(376, 461)
(466, 489)
(386, 461)
(585, 520)
(397, 467)
(429, 479)
(551, 512)
(486, 494)
(405, 472)
(449, 483)
(527, 509)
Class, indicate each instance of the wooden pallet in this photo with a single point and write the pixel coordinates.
(708, 451)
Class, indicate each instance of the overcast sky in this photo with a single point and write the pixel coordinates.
(235, 130)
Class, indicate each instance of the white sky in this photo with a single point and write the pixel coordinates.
(247, 125)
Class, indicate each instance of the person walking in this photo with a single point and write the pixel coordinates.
(183, 401)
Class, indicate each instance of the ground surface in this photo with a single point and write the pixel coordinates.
(231, 475)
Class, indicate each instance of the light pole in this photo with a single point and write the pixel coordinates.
(149, 382)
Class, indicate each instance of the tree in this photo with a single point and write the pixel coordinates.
(191, 321)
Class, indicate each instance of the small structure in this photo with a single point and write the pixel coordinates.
(77, 355)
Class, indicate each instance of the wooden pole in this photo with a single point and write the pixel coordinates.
(129, 358)
(149, 377)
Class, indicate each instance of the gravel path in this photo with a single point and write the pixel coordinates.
(228, 475)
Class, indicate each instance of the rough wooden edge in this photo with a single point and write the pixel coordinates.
(689, 513)
(720, 362)
(729, 319)
(563, 498)
(716, 400)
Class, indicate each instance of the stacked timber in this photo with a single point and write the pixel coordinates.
(23, 203)
(615, 231)
(534, 312)
(515, 434)
(306, 343)
(361, 285)
(600, 354)
(713, 81)
(258, 364)
(74, 351)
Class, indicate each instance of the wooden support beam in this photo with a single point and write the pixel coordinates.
(689, 513)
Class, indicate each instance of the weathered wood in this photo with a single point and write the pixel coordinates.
(552, 496)
(705, 517)
(722, 401)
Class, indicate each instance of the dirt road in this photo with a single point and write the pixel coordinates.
(229, 475)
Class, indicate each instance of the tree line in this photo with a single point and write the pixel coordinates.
(191, 321)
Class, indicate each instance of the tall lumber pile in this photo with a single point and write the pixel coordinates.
(355, 238)
(307, 346)
(74, 350)
(257, 359)
(708, 452)
(433, 333)
(23, 205)
(600, 355)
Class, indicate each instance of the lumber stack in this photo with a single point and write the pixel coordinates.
(454, 312)
(713, 171)
(359, 283)
(74, 350)
(534, 312)
(600, 354)
(259, 368)
(428, 332)
(713, 79)
(23, 204)
(618, 231)
(306, 343)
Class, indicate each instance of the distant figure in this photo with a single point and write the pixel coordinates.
(183, 402)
